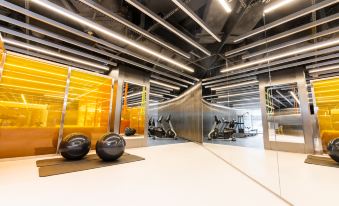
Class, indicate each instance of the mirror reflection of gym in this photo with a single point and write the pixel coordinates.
(132, 119)
(283, 113)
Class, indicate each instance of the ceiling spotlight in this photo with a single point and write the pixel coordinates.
(225, 5)
(96, 27)
(275, 5)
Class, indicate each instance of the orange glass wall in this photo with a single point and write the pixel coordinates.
(32, 93)
(88, 105)
(326, 94)
(31, 98)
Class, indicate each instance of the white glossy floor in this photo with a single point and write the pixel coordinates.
(301, 184)
(177, 174)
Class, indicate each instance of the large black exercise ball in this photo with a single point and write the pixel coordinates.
(333, 149)
(110, 146)
(75, 146)
(130, 131)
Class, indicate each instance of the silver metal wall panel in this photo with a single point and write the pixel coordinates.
(186, 113)
(284, 77)
(126, 74)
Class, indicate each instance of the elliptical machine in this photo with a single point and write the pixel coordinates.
(162, 131)
(225, 132)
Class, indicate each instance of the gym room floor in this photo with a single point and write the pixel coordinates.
(251, 141)
(164, 141)
(176, 174)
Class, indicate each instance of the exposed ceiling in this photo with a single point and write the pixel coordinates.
(26, 22)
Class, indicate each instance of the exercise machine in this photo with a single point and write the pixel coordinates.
(163, 131)
(225, 131)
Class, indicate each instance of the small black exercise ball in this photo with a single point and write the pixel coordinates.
(130, 131)
(110, 147)
(75, 146)
(333, 149)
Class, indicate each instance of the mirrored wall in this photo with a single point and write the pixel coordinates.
(133, 101)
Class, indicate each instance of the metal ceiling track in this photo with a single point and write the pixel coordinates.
(49, 58)
(195, 18)
(313, 66)
(244, 73)
(167, 25)
(294, 42)
(56, 46)
(285, 34)
(168, 81)
(133, 27)
(86, 36)
(288, 18)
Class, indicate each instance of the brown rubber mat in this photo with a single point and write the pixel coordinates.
(319, 160)
(56, 166)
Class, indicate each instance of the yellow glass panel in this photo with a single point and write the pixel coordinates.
(88, 105)
(326, 94)
(31, 99)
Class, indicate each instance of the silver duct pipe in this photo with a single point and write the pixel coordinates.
(168, 81)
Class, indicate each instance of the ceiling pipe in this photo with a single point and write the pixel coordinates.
(285, 34)
(83, 35)
(56, 46)
(195, 18)
(168, 81)
(130, 25)
(288, 18)
(291, 43)
(244, 73)
(168, 26)
(53, 53)
(300, 50)
(112, 34)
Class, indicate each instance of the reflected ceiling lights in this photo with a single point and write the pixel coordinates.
(197, 19)
(239, 100)
(225, 5)
(235, 85)
(286, 54)
(295, 97)
(23, 98)
(77, 18)
(322, 69)
(156, 95)
(163, 84)
(275, 5)
(52, 53)
(285, 98)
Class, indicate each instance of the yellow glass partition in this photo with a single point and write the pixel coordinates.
(88, 105)
(31, 99)
(32, 96)
(326, 94)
